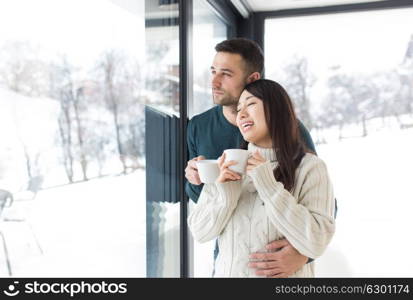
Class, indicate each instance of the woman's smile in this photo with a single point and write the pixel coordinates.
(246, 125)
(251, 120)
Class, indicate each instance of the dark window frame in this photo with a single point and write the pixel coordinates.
(185, 86)
(227, 13)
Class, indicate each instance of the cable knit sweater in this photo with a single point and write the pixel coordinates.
(249, 213)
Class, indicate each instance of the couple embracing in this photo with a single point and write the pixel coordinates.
(273, 218)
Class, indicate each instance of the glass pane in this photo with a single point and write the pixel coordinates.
(162, 112)
(208, 30)
(351, 77)
(72, 155)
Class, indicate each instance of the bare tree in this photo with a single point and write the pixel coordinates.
(406, 76)
(298, 81)
(60, 90)
(65, 132)
(120, 91)
(77, 108)
(387, 86)
(405, 91)
(32, 162)
(112, 65)
(69, 90)
(351, 99)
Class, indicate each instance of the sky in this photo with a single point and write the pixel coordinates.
(81, 29)
(363, 41)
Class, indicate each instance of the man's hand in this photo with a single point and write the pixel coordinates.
(280, 264)
(191, 171)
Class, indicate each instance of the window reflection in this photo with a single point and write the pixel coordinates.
(208, 30)
(162, 112)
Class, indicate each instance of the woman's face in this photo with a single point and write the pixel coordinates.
(251, 120)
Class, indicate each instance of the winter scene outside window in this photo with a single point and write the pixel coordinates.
(72, 161)
(351, 78)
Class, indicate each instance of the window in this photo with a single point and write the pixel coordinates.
(351, 78)
(72, 128)
(208, 30)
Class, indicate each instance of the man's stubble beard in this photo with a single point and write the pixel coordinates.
(229, 100)
(226, 101)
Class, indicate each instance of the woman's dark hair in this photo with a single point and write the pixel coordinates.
(283, 128)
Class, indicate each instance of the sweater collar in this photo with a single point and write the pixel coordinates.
(267, 153)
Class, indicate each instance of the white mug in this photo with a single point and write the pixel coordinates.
(208, 170)
(238, 155)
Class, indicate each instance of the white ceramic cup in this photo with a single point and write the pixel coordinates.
(208, 170)
(238, 155)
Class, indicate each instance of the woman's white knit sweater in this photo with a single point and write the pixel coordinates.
(249, 213)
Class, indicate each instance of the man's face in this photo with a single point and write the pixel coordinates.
(229, 78)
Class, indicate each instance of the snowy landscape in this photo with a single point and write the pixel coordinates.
(87, 228)
(91, 229)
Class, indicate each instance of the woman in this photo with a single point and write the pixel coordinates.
(285, 194)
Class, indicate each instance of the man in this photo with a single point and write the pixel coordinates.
(237, 62)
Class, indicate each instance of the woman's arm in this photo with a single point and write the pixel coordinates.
(213, 210)
(306, 222)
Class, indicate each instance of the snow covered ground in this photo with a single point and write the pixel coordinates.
(372, 177)
(98, 228)
(94, 228)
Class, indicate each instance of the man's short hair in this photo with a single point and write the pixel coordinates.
(249, 50)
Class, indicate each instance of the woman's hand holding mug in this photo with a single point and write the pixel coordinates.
(225, 173)
(255, 160)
